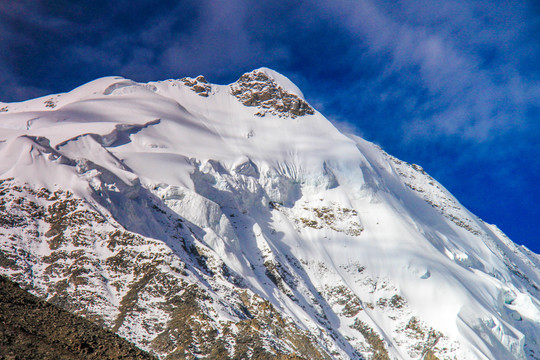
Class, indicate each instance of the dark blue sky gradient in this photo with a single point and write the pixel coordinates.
(451, 85)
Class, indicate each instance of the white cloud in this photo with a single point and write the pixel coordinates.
(440, 43)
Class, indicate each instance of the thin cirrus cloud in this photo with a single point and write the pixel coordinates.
(442, 43)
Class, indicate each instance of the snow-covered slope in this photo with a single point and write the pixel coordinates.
(203, 220)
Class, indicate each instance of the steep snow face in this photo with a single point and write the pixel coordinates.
(244, 205)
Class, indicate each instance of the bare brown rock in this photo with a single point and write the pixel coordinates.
(31, 328)
(257, 89)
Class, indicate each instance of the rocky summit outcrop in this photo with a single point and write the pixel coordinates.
(258, 89)
(31, 328)
(199, 85)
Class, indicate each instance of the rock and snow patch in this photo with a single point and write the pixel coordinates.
(280, 97)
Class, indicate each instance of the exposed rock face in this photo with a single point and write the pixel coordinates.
(31, 328)
(199, 85)
(60, 248)
(258, 89)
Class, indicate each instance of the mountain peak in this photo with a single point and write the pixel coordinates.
(272, 93)
(168, 212)
(281, 80)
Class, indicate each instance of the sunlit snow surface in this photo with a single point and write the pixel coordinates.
(340, 215)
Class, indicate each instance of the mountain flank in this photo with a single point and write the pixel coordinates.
(207, 221)
(31, 328)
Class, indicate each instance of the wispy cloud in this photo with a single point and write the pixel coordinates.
(451, 48)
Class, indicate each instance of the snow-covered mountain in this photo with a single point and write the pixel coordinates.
(214, 221)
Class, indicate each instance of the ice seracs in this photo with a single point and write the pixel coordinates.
(198, 219)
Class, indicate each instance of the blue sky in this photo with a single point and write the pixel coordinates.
(451, 85)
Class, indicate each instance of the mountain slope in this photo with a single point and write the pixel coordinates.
(198, 219)
(34, 329)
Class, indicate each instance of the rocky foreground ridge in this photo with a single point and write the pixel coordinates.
(34, 329)
(209, 221)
